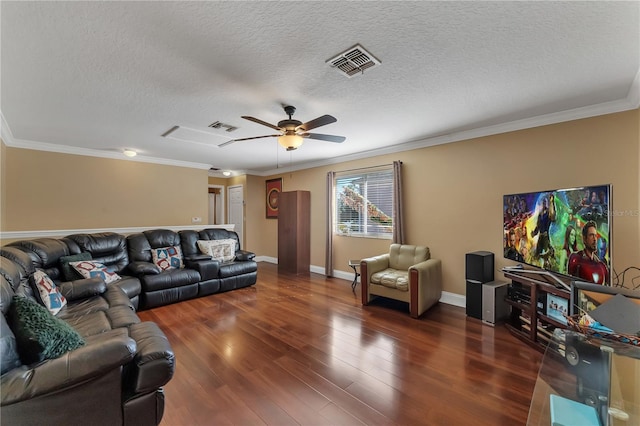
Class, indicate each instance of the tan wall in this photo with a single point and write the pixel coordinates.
(3, 185)
(454, 192)
(217, 181)
(49, 191)
(444, 185)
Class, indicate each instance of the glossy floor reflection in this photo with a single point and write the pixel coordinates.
(302, 350)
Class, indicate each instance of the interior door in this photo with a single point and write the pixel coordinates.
(216, 205)
(236, 210)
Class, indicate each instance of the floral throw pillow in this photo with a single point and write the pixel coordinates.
(167, 258)
(91, 268)
(47, 292)
(222, 250)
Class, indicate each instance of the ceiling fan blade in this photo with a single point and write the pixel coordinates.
(320, 121)
(257, 120)
(328, 138)
(246, 139)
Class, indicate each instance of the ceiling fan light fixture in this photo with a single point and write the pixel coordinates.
(290, 142)
(129, 153)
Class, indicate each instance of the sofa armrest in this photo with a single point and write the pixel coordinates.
(243, 255)
(154, 362)
(83, 288)
(429, 282)
(376, 264)
(102, 353)
(143, 268)
(208, 269)
(197, 257)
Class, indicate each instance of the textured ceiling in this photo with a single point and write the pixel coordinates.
(98, 77)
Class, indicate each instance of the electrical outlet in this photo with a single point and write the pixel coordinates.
(196, 219)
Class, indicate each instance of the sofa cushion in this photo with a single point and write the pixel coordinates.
(9, 358)
(403, 256)
(108, 248)
(46, 292)
(167, 257)
(392, 278)
(222, 250)
(171, 278)
(39, 334)
(68, 273)
(233, 269)
(90, 324)
(90, 269)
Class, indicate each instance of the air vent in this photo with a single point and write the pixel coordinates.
(219, 125)
(354, 61)
(186, 134)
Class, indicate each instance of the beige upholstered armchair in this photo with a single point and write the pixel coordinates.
(406, 273)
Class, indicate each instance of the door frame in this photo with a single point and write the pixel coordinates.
(223, 198)
(241, 225)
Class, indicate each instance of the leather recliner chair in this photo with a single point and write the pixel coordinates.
(407, 273)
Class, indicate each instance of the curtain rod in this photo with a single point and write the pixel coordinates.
(365, 168)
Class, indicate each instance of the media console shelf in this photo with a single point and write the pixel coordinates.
(532, 319)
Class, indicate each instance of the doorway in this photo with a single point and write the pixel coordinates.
(216, 205)
(236, 210)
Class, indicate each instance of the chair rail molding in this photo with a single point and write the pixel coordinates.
(17, 235)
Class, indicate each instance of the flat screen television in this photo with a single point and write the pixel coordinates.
(563, 231)
(586, 297)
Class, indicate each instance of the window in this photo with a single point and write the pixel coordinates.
(364, 203)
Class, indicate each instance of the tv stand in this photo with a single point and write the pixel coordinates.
(529, 320)
(553, 277)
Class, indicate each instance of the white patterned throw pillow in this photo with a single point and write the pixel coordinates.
(91, 268)
(222, 250)
(47, 292)
(167, 258)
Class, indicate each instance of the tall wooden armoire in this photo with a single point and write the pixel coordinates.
(294, 231)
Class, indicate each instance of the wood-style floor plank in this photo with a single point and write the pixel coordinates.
(301, 350)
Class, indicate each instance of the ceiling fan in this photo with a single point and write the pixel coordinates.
(293, 132)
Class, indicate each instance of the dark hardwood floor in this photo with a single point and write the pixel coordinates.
(302, 350)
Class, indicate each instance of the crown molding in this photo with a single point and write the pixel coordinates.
(631, 101)
(12, 142)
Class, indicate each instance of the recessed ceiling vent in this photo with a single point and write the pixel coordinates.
(219, 125)
(353, 61)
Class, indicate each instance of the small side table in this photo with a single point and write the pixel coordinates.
(355, 265)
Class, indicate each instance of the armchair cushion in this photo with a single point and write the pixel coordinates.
(403, 256)
(392, 278)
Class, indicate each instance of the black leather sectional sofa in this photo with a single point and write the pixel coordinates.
(117, 376)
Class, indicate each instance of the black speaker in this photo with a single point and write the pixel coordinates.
(479, 270)
(474, 299)
(479, 266)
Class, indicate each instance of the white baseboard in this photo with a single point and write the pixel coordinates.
(453, 299)
(446, 298)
